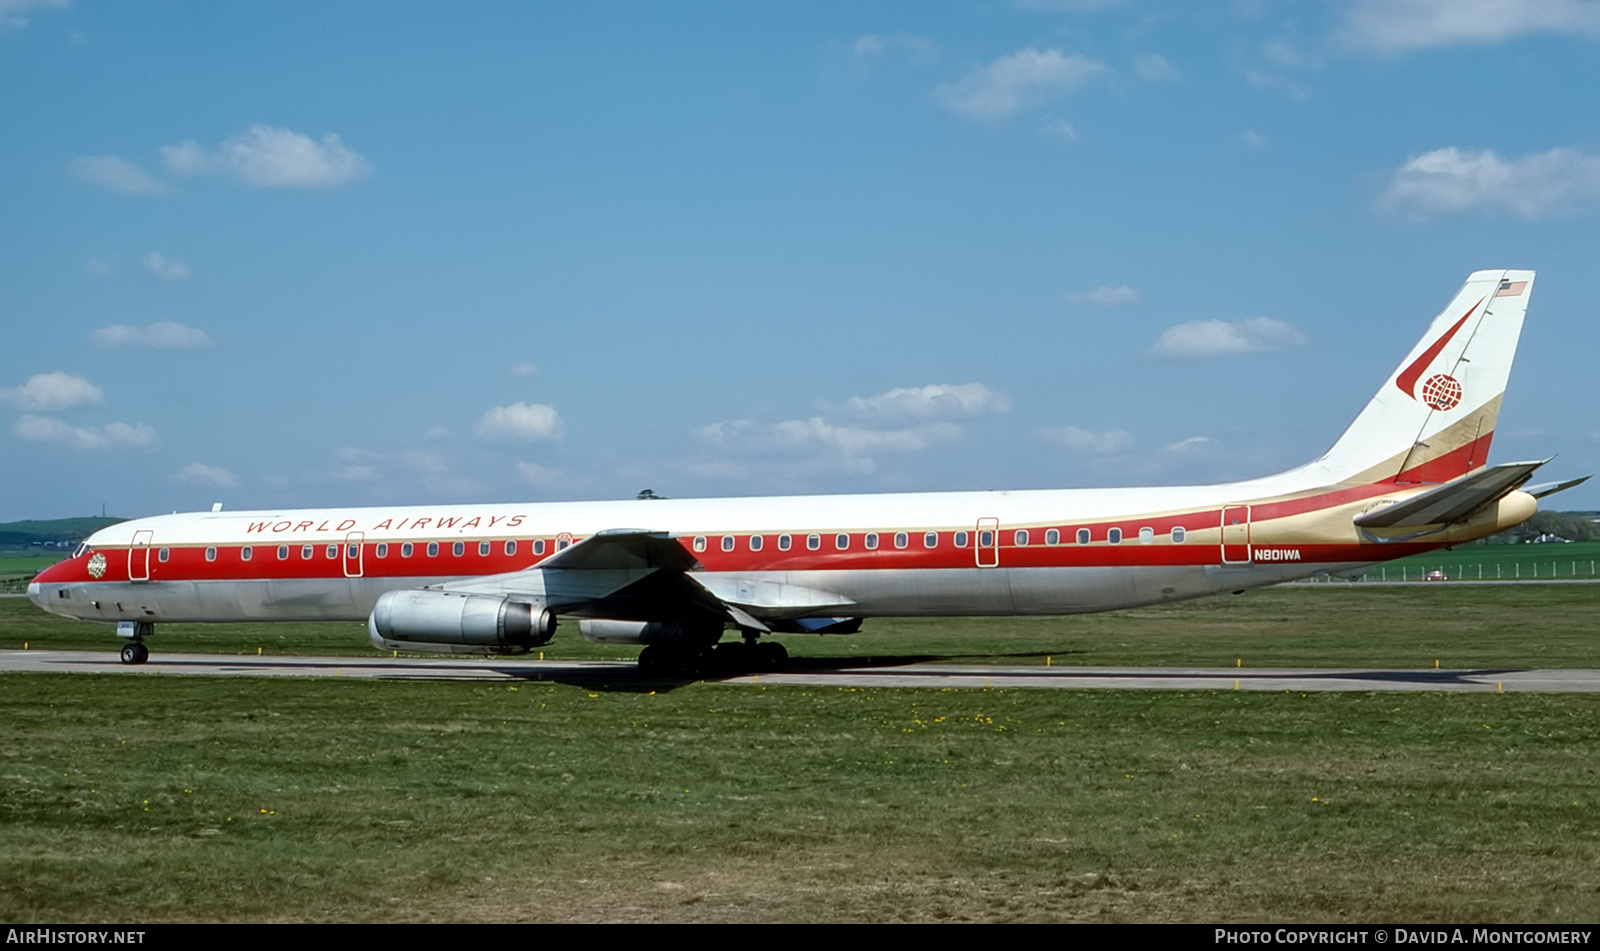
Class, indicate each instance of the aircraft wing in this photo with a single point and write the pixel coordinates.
(639, 574)
(1454, 500)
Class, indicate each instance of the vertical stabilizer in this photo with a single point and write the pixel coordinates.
(1434, 417)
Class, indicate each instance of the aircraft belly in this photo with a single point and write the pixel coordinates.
(1007, 591)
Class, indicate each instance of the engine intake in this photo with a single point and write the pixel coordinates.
(446, 622)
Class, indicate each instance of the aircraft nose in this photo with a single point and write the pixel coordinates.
(37, 595)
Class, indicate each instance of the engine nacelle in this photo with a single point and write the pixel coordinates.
(443, 622)
(609, 631)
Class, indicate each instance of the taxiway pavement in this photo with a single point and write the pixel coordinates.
(828, 672)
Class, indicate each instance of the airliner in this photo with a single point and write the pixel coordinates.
(675, 576)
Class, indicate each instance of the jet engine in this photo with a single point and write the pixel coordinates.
(443, 622)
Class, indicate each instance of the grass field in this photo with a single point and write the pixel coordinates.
(1489, 562)
(131, 798)
(1336, 625)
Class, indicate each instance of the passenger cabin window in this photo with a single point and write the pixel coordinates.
(305, 552)
(930, 540)
(841, 541)
(783, 542)
(458, 549)
(901, 539)
(961, 539)
(163, 554)
(1083, 536)
(755, 542)
(813, 542)
(1114, 536)
(1021, 538)
(382, 551)
(433, 549)
(1178, 535)
(871, 541)
(333, 552)
(727, 543)
(283, 552)
(405, 550)
(1147, 535)
(353, 552)
(245, 553)
(211, 554)
(538, 546)
(699, 543)
(510, 548)
(483, 549)
(1052, 536)
(985, 539)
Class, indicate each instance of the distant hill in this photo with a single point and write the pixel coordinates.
(53, 534)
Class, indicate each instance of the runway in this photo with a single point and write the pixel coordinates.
(828, 672)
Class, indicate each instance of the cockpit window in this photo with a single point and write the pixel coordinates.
(83, 549)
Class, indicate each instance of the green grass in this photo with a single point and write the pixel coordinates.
(1335, 625)
(1472, 562)
(137, 798)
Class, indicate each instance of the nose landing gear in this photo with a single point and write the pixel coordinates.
(135, 652)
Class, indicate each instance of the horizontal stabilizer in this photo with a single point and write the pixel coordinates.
(1551, 488)
(1454, 500)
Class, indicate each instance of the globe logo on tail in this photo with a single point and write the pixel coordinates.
(1441, 392)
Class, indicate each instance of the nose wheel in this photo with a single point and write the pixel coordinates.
(135, 653)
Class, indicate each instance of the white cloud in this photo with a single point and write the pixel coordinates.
(1107, 296)
(523, 370)
(162, 335)
(1450, 181)
(164, 269)
(934, 401)
(520, 421)
(198, 473)
(1154, 67)
(1252, 139)
(1192, 444)
(1396, 26)
(907, 45)
(817, 433)
(110, 436)
(1016, 82)
(11, 11)
(48, 391)
(267, 157)
(1203, 339)
(116, 175)
(1109, 443)
(1058, 129)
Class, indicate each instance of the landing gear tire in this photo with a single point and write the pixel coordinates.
(770, 655)
(135, 653)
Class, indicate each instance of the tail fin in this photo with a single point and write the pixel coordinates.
(1434, 417)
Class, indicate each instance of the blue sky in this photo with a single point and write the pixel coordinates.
(282, 254)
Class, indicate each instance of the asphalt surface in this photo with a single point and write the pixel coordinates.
(826, 672)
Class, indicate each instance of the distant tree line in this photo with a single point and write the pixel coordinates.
(1574, 526)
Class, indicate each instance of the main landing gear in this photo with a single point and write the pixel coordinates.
(135, 652)
(719, 660)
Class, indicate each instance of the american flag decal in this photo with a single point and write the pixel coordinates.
(1511, 288)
